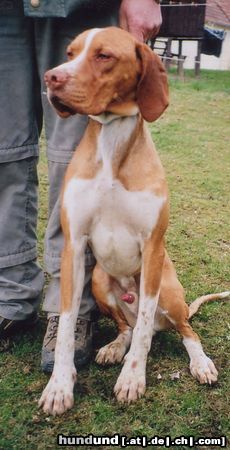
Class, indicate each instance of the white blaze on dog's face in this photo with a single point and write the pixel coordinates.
(108, 70)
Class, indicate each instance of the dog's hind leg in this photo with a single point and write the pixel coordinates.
(172, 302)
(115, 351)
(106, 299)
(201, 366)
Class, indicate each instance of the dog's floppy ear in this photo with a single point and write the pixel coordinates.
(152, 90)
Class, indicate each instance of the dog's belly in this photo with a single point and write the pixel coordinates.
(116, 221)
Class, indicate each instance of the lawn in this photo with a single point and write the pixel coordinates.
(193, 141)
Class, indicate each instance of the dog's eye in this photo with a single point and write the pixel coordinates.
(103, 57)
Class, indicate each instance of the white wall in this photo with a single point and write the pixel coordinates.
(189, 50)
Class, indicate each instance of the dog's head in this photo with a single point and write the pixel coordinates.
(108, 70)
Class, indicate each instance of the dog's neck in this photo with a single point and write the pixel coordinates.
(113, 141)
(108, 117)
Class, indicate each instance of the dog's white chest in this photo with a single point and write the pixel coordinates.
(116, 221)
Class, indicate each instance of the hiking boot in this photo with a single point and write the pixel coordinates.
(83, 343)
(8, 326)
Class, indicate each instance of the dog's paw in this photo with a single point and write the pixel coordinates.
(57, 397)
(111, 353)
(203, 370)
(130, 385)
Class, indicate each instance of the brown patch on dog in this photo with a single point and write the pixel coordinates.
(134, 364)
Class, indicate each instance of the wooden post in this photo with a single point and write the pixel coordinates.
(168, 54)
(197, 59)
(180, 62)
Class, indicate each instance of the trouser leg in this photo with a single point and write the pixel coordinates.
(21, 279)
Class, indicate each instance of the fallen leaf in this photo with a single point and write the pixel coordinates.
(175, 376)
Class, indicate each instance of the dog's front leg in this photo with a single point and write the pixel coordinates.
(131, 382)
(57, 397)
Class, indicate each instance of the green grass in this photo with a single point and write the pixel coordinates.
(193, 141)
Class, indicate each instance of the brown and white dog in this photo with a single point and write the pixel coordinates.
(115, 198)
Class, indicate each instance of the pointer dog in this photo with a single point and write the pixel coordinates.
(115, 198)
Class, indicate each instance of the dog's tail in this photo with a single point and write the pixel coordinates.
(194, 306)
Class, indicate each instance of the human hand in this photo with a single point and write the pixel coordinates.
(142, 18)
